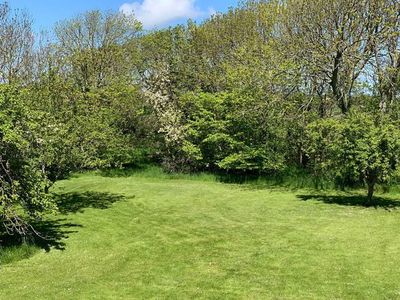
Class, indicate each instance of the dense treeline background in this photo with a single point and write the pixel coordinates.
(267, 87)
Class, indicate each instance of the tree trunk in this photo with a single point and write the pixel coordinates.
(341, 97)
(370, 199)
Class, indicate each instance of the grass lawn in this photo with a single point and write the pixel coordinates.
(143, 236)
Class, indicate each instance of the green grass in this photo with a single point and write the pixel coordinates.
(15, 253)
(140, 235)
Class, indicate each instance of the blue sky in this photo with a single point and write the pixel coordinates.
(153, 13)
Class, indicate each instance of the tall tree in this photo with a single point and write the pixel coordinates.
(95, 46)
(16, 45)
(333, 39)
(386, 63)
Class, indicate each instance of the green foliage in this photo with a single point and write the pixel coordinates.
(355, 148)
(22, 181)
(247, 92)
(96, 47)
(78, 131)
(223, 131)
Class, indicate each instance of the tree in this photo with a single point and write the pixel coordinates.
(386, 62)
(22, 182)
(16, 45)
(334, 41)
(97, 48)
(233, 132)
(81, 130)
(357, 147)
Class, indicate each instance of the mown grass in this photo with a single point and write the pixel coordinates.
(146, 234)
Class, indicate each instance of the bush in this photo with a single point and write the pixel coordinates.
(355, 148)
(23, 184)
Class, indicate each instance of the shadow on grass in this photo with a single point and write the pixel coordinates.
(52, 233)
(78, 202)
(353, 200)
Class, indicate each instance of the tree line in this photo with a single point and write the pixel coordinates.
(265, 87)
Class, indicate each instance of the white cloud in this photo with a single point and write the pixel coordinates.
(158, 12)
